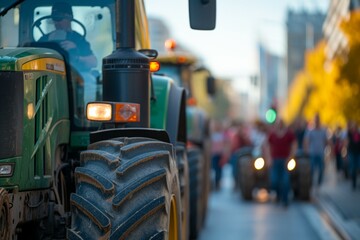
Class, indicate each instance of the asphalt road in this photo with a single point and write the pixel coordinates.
(231, 218)
(340, 203)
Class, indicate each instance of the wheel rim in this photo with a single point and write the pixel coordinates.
(173, 228)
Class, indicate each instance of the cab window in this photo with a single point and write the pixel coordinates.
(95, 24)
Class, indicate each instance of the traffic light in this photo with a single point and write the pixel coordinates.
(270, 115)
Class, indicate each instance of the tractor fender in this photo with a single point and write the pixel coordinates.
(168, 108)
(176, 115)
(197, 124)
(107, 134)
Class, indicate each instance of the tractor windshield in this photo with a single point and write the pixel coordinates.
(173, 72)
(83, 34)
(181, 74)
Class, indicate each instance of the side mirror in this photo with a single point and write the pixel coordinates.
(150, 53)
(202, 14)
(211, 88)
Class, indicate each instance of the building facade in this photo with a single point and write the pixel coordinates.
(304, 31)
(335, 39)
(272, 80)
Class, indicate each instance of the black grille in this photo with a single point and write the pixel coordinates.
(126, 59)
(11, 113)
(116, 66)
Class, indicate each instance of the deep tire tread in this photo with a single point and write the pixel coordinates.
(72, 235)
(137, 217)
(90, 210)
(131, 150)
(95, 155)
(141, 159)
(124, 189)
(91, 177)
(158, 236)
(194, 158)
(138, 185)
(111, 146)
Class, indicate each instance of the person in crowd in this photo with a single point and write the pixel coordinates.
(353, 148)
(337, 142)
(279, 147)
(240, 141)
(315, 142)
(299, 130)
(258, 136)
(217, 151)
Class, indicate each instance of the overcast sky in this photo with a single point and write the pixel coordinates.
(230, 50)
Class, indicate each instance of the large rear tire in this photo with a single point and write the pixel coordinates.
(4, 214)
(239, 154)
(246, 178)
(304, 169)
(182, 163)
(206, 180)
(126, 188)
(195, 166)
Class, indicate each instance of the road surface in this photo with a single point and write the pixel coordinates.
(231, 218)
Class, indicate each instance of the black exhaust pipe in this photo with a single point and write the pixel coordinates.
(126, 75)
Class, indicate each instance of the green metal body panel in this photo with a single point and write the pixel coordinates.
(159, 107)
(12, 59)
(79, 139)
(46, 119)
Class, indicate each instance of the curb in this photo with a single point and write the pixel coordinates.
(332, 216)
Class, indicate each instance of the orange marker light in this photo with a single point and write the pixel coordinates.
(181, 59)
(113, 112)
(154, 66)
(170, 44)
(127, 112)
(191, 101)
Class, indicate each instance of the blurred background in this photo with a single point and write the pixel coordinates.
(285, 59)
(273, 53)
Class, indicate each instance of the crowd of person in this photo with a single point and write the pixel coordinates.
(278, 143)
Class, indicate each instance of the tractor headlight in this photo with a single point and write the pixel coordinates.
(113, 112)
(6, 170)
(259, 163)
(291, 164)
(99, 112)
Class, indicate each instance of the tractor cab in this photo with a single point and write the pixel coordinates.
(82, 32)
(178, 64)
(59, 178)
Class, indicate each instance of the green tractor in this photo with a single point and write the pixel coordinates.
(88, 154)
(183, 68)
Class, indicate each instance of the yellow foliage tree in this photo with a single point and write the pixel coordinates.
(316, 90)
(327, 95)
(350, 66)
(331, 89)
(298, 94)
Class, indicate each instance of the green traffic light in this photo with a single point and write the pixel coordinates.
(270, 116)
